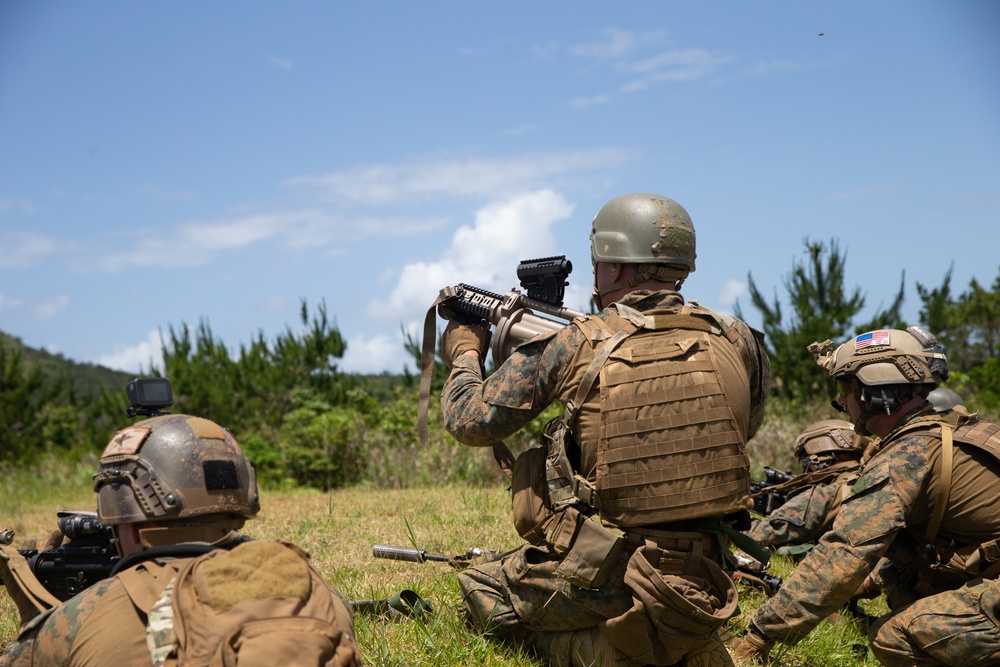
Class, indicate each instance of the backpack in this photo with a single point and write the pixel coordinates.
(259, 604)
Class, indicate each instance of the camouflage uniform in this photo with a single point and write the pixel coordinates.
(128, 619)
(944, 613)
(523, 597)
(807, 514)
(100, 626)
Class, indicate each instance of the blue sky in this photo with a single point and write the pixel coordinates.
(168, 163)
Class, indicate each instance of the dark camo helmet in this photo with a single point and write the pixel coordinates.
(830, 436)
(643, 228)
(886, 357)
(944, 399)
(174, 467)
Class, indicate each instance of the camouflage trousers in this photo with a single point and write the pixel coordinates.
(958, 627)
(522, 600)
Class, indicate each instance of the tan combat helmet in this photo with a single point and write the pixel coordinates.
(827, 441)
(175, 469)
(650, 230)
(885, 357)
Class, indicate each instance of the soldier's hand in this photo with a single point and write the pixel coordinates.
(868, 590)
(461, 338)
(752, 649)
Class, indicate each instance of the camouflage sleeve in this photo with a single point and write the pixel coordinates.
(481, 412)
(799, 520)
(866, 525)
(49, 639)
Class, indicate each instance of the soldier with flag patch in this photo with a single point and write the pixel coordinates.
(920, 524)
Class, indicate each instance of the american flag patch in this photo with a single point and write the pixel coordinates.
(880, 337)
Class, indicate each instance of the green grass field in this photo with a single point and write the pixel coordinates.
(339, 529)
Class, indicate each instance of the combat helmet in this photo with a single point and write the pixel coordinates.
(643, 228)
(944, 400)
(886, 357)
(653, 232)
(827, 441)
(175, 468)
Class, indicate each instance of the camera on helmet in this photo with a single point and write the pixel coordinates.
(149, 396)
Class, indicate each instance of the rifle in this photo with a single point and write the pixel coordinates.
(751, 571)
(87, 558)
(767, 498)
(90, 555)
(471, 556)
(516, 316)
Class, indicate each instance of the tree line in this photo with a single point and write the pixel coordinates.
(303, 421)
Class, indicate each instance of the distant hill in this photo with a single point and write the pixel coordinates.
(87, 379)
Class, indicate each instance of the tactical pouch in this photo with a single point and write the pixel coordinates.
(593, 549)
(680, 600)
(529, 495)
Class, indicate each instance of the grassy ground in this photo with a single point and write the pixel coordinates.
(339, 529)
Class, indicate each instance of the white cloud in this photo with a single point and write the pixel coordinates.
(136, 358)
(584, 102)
(374, 355)
(673, 67)
(484, 255)
(46, 310)
(155, 192)
(617, 44)
(22, 249)
(9, 302)
(23, 205)
(283, 64)
(731, 291)
(198, 242)
(470, 177)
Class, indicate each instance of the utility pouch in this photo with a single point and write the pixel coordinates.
(680, 600)
(593, 552)
(529, 495)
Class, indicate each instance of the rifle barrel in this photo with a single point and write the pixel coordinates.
(404, 553)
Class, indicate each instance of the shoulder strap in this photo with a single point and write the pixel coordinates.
(944, 490)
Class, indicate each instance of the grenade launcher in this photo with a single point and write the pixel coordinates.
(517, 316)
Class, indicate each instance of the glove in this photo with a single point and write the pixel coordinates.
(868, 590)
(460, 338)
(752, 649)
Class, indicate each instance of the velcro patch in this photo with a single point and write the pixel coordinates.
(126, 442)
(255, 571)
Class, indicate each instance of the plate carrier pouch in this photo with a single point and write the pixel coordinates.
(260, 604)
(671, 447)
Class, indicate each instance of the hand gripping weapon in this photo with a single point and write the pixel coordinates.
(516, 316)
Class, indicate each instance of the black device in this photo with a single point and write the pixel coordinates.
(88, 556)
(765, 498)
(149, 396)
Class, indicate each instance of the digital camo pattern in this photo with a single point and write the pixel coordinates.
(897, 489)
(481, 413)
(956, 627)
(803, 518)
(521, 598)
(53, 641)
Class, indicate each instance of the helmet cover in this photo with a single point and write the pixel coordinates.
(174, 467)
(643, 228)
